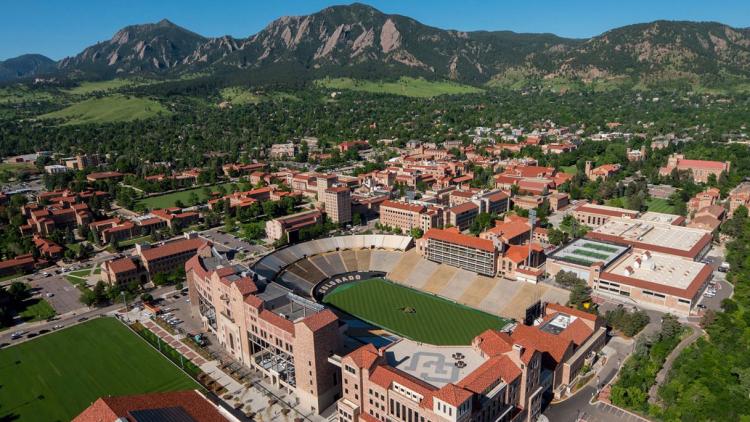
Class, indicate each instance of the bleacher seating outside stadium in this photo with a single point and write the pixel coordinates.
(303, 265)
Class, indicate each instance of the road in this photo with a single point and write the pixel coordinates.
(578, 406)
(68, 319)
(661, 376)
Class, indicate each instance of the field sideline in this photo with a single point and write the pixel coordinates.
(411, 313)
(56, 376)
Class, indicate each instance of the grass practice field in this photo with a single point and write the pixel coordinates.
(412, 314)
(410, 87)
(660, 205)
(169, 199)
(113, 108)
(56, 376)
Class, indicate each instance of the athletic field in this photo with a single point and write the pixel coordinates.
(56, 376)
(412, 314)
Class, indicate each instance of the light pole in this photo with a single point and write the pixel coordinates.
(124, 300)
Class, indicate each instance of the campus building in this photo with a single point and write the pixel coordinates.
(288, 227)
(655, 235)
(593, 215)
(287, 338)
(338, 204)
(658, 280)
(176, 406)
(402, 215)
(700, 170)
(451, 247)
(149, 260)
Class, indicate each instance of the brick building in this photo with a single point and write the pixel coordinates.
(285, 337)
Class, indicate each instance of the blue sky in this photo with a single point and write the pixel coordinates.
(58, 28)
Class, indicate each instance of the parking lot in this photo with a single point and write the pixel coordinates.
(231, 242)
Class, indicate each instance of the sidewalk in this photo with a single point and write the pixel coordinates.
(255, 396)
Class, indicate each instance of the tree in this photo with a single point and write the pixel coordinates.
(100, 292)
(88, 297)
(580, 297)
(670, 326)
(416, 233)
(160, 279)
(556, 237)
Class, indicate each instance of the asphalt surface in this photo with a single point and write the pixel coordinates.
(66, 320)
(579, 407)
(232, 242)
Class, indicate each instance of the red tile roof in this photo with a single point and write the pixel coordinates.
(121, 265)
(453, 395)
(320, 320)
(365, 356)
(577, 332)
(402, 206)
(384, 376)
(465, 207)
(497, 367)
(621, 212)
(571, 311)
(532, 337)
(277, 320)
(110, 408)
(172, 248)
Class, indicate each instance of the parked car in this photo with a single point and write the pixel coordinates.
(50, 294)
(57, 327)
(16, 335)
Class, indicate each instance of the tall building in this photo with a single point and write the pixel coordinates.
(284, 336)
(338, 203)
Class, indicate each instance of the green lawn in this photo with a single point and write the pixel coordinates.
(133, 241)
(238, 96)
(569, 169)
(37, 310)
(434, 320)
(660, 205)
(76, 280)
(410, 87)
(169, 199)
(81, 273)
(112, 108)
(55, 377)
(100, 86)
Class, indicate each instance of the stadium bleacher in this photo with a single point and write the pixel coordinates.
(303, 265)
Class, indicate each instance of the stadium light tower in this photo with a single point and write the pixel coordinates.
(532, 221)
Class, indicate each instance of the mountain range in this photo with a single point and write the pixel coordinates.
(360, 41)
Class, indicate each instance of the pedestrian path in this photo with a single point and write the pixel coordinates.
(176, 343)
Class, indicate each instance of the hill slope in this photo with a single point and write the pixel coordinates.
(25, 66)
(361, 42)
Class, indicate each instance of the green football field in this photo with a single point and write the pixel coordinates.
(56, 376)
(412, 314)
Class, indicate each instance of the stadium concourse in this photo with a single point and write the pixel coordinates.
(302, 266)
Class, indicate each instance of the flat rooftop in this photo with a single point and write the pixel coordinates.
(659, 217)
(652, 233)
(436, 365)
(586, 252)
(558, 324)
(666, 270)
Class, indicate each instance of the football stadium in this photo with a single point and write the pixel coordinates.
(382, 280)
